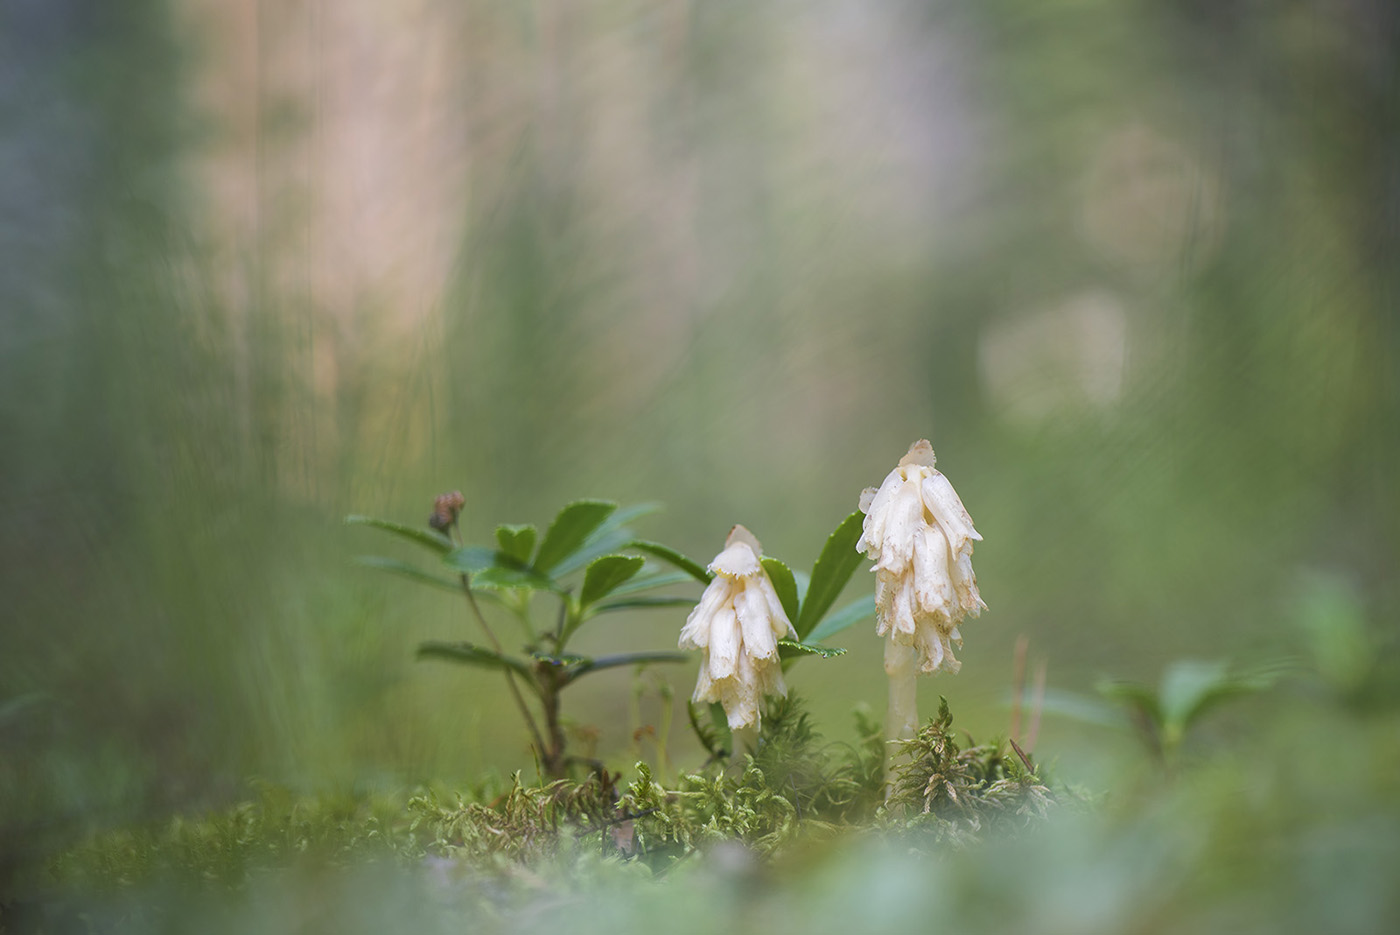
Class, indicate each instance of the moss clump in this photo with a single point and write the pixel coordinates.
(956, 793)
(793, 785)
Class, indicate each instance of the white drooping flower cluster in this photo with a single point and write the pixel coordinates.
(920, 537)
(736, 626)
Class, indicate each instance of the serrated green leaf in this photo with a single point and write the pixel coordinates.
(411, 572)
(792, 648)
(478, 656)
(570, 529)
(783, 584)
(668, 554)
(832, 570)
(847, 616)
(606, 573)
(429, 538)
(516, 541)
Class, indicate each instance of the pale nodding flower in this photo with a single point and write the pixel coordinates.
(736, 626)
(920, 537)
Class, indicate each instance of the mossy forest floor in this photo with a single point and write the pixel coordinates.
(1293, 828)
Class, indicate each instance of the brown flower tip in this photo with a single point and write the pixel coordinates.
(446, 507)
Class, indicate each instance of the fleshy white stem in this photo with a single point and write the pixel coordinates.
(902, 666)
(902, 717)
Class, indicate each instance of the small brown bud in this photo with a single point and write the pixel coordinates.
(446, 509)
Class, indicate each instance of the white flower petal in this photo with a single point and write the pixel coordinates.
(755, 621)
(905, 515)
(696, 632)
(736, 561)
(931, 649)
(945, 506)
(724, 643)
(777, 617)
(902, 610)
(933, 585)
(705, 690)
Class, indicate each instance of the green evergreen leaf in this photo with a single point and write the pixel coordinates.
(494, 569)
(470, 559)
(783, 583)
(636, 603)
(478, 656)
(668, 554)
(605, 574)
(1134, 696)
(429, 538)
(615, 660)
(847, 616)
(411, 572)
(645, 582)
(506, 574)
(791, 648)
(832, 570)
(570, 530)
(516, 541)
(611, 536)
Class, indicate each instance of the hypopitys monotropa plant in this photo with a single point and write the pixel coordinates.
(920, 537)
(736, 626)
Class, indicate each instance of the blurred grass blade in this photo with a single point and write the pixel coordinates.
(428, 538)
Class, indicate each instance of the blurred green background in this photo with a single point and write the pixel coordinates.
(1129, 265)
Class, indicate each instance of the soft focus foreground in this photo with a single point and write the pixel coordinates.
(1127, 266)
